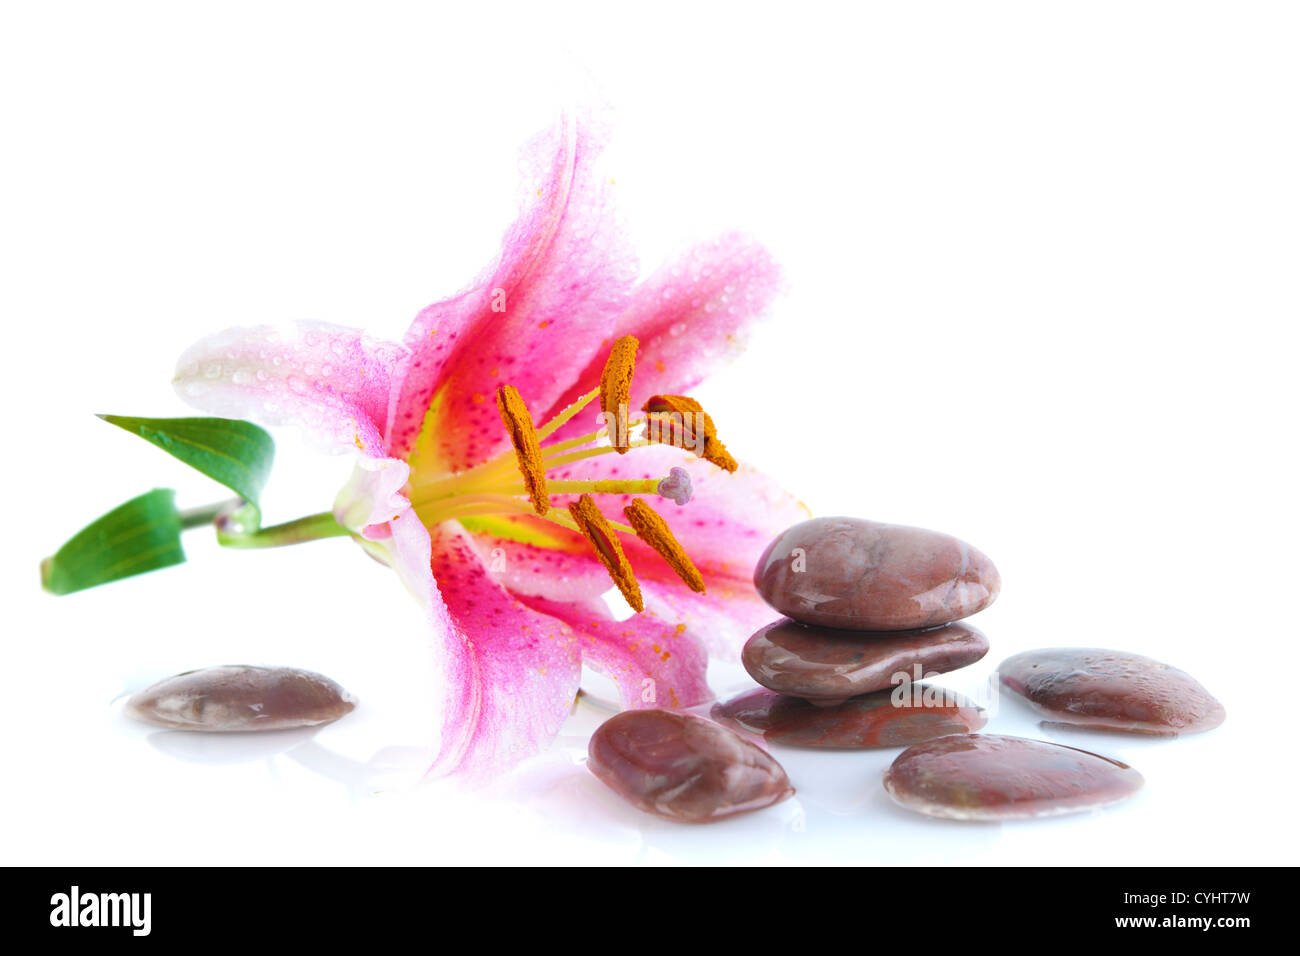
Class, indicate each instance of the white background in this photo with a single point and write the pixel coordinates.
(1043, 292)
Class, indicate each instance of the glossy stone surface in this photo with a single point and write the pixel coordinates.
(990, 777)
(822, 663)
(866, 576)
(684, 767)
(887, 718)
(241, 698)
(1111, 690)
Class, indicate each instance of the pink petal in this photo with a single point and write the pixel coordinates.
(724, 617)
(511, 673)
(434, 339)
(690, 317)
(563, 570)
(537, 316)
(655, 662)
(333, 382)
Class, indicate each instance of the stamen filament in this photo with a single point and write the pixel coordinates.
(550, 427)
(566, 521)
(599, 433)
(559, 446)
(484, 503)
(587, 453)
(481, 475)
(431, 513)
(449, 485)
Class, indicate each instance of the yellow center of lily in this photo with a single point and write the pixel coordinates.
(515, 482)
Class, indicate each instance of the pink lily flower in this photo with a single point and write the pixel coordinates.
(514, 596)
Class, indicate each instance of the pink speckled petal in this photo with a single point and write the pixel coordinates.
(537, 317)
(540, 560)
(433, 339)
(691, 317)
(655, 662)
(724, 616)
(511, 673)
(333, 382)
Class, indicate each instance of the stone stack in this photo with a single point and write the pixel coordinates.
(869, 609)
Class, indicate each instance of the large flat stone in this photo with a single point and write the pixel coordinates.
(991, 777)
(1111, 690)
(867, 576)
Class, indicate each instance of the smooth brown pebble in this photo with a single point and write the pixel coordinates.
(684, 767)
(991, 777)
(1111, 690)
(823, 663)
(239, 697)
(887, 718)
(868, 576)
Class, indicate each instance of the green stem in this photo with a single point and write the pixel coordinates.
(297, 531)
(198, 517)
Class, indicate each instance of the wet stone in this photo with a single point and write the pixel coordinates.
(991, 777)
(1111, 690)
(867, 576)
(822, 663)
(241, 698)
(684, 767)
(887, 718)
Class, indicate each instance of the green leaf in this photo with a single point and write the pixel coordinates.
(141, 535)
(237, 454)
